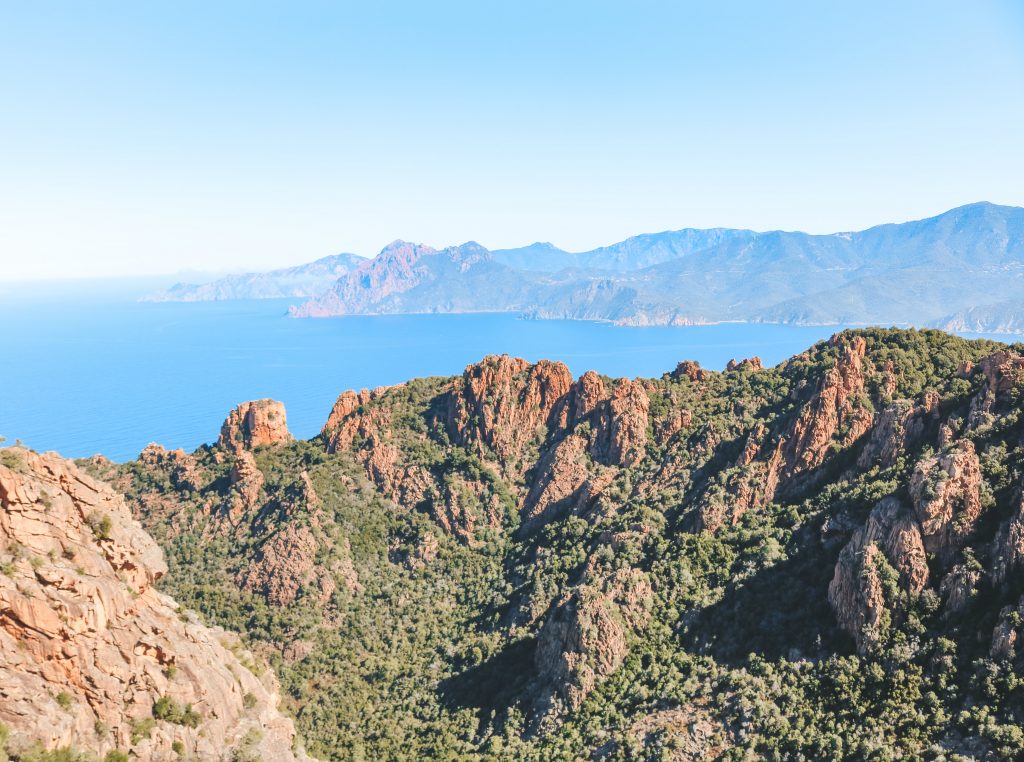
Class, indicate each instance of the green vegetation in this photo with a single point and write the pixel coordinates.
(166, 708)
(100, 525)
(63, 700)
(425, 644)
(142, 727)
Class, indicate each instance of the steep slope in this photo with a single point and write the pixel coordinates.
(818, 560)
(92, 657)
(300, 281)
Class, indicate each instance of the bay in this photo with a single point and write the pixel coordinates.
(95, 371)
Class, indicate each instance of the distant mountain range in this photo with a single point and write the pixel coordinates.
(961, 270)
(301, 281)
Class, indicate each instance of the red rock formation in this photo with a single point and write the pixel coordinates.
(285, 563)
(691, 370)
(247, 482)
(183, 469)
(897, 427)
(587, 393)
(830, 410)
(585, 638)
(504, 404)
(79, 617)
(254, 424)
(857, 595)
(676, 422)
(355, 424)
(1002, 370)
(627, 424)
(748, 365)
(891, 382)
(946, 492)
(562, 473)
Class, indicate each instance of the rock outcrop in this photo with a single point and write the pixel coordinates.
(946, 493)
(889, 543)
(247, 484)
(284, 564)
(1002, 372)
(690, 369)
(563, 472)
(515, 417)
(627, 423)
(586, 636)
(503, 405)
(1008, 547)
(88, 647)
(749, 365)
(898, 427)
(831, 415)
(254, 424)
(183, 469)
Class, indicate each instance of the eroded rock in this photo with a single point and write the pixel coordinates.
(946, 492)
(890, 540)
(254, 424)
(585, 638)
(79, 618)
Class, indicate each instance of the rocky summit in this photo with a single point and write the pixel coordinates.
(818, 560)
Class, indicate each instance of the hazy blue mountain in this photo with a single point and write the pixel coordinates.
(542, 257)
(999, 317)
(408, 278)
(963, 268)
(300, 281)
(632, 254)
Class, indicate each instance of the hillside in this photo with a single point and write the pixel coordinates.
(300, 281)
(93, 660)
(819, 560)
(961, 269)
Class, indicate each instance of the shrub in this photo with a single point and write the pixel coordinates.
(166, 708)
(100, 525)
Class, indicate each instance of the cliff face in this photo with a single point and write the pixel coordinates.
(90, 652)
(255, 424)
(537, 433)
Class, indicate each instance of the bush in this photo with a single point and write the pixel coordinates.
(100, 525)
(166, 708)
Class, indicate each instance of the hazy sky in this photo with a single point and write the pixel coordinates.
(146, 137)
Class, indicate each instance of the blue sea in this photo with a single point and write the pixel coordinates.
(90, 370)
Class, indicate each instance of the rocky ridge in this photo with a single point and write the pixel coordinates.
(863, 498)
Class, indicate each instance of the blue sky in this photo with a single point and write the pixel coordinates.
(144, 138)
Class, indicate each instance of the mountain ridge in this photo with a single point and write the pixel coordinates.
(922, 273)
(288, 282)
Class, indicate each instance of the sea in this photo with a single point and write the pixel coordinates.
(89, 369)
